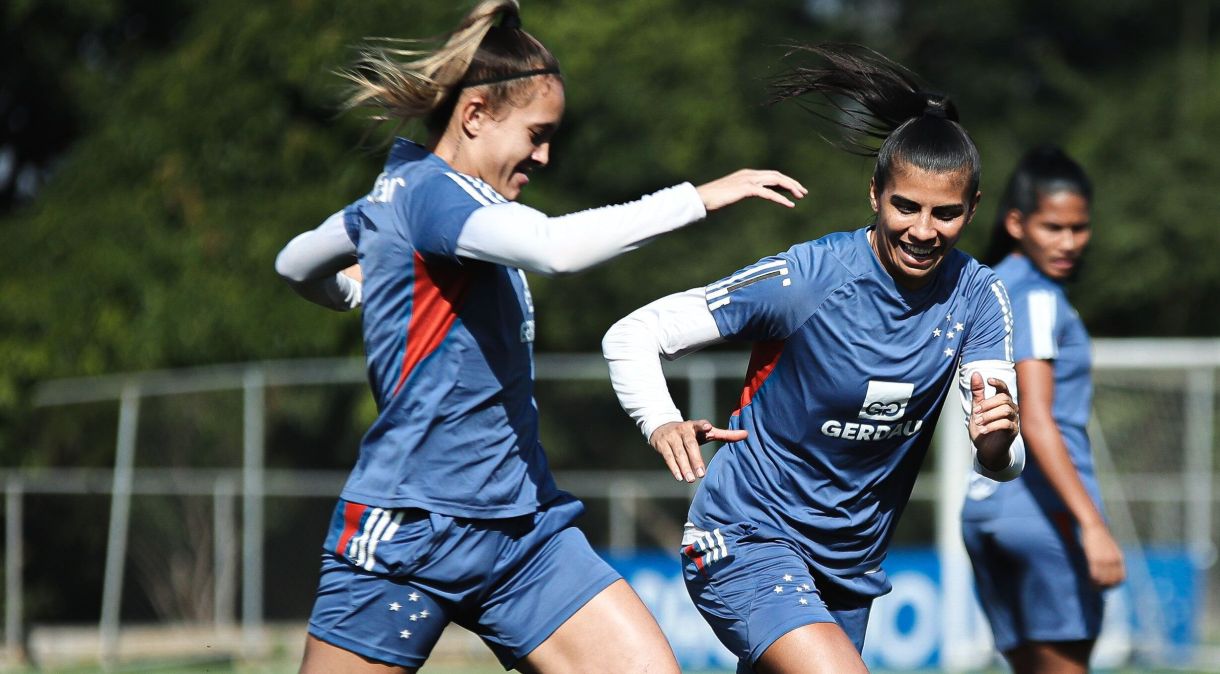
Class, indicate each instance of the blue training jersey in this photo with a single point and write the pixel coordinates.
(847, 377)
(449, 346)
(1046, 327)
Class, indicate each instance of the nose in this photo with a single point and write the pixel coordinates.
(923, 229)
(541, 154)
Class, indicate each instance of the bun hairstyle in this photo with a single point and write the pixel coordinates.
(882, 110)
(488, 49)
(1042, 171)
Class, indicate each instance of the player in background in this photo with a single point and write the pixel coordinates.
(858, 338)
(1039, 545)
(451, 513)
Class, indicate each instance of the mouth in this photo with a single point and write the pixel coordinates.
(1063, 263)
(919, 256)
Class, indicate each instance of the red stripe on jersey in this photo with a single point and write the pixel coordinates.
(762, 362)
(352, 512)
(435, 301)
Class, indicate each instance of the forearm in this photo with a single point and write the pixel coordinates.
(1044, 443)
(1000, 461)
(312, 265)
(670, 327)
(518, 236)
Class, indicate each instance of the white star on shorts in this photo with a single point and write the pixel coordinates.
(959, 327)
(806, 586)
(787, 578)
(779, 590)
(405, 634)
(394, 606)
(414, 617)
(423, 614)
(948, 352)
(413, 597)
(936, 332)
(804, 601)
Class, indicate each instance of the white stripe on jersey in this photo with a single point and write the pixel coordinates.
(474, 194)
(714, 290)
(486, 190)
(712, 306)
(1042, 308)
(1001, 295)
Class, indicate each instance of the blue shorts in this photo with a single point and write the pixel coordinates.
(753, 591)
(393, 578)
(1033, 580)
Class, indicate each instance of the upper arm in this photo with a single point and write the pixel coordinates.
(320, 252)
(1036, 327)
(1036, 387)
(767, 300)
(438, 208)
(990, 336)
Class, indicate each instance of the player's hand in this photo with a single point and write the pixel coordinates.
(1105, 558)
(678, 443)
(748, 183)
(994, 421)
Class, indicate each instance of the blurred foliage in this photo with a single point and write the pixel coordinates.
(171, 147)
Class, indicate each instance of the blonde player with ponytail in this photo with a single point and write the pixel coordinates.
(451, 513)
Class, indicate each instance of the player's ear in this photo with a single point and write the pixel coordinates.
(1012, 224)
(872, 194)
(974, 206)
(473, 114)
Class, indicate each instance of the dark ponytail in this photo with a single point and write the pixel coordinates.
(883, 111)
(1043, 170)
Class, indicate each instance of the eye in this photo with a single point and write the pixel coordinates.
(906, 209)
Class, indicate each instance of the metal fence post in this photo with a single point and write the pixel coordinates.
(252, 511)
(120, 518)
(623, 513)
(224, 569)
(14, 554)
(1198, 466)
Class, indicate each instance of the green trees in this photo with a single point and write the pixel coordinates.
(182, 143)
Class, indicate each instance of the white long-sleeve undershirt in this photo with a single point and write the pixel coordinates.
(509, 234)
(681, 323)
(518, 236)
(313, 261)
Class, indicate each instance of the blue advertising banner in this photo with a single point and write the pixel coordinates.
(1154, 614)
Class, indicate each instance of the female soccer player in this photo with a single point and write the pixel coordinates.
(1039, 545)
(858, 338)
(451, 514)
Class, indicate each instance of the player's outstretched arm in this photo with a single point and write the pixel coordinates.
(669, 327)
(319, 266)
(516, 235)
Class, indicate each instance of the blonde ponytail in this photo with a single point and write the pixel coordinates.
(400, 84)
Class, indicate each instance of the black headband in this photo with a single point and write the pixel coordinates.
(510, 76)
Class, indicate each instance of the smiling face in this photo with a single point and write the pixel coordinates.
(920, 216)
(1054, 236)
(502, 144)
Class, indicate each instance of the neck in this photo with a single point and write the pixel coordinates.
(449, 147)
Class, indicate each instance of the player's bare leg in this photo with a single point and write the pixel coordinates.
(1050, 657)
(323, 658)
(821, 648)
(613, 633)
